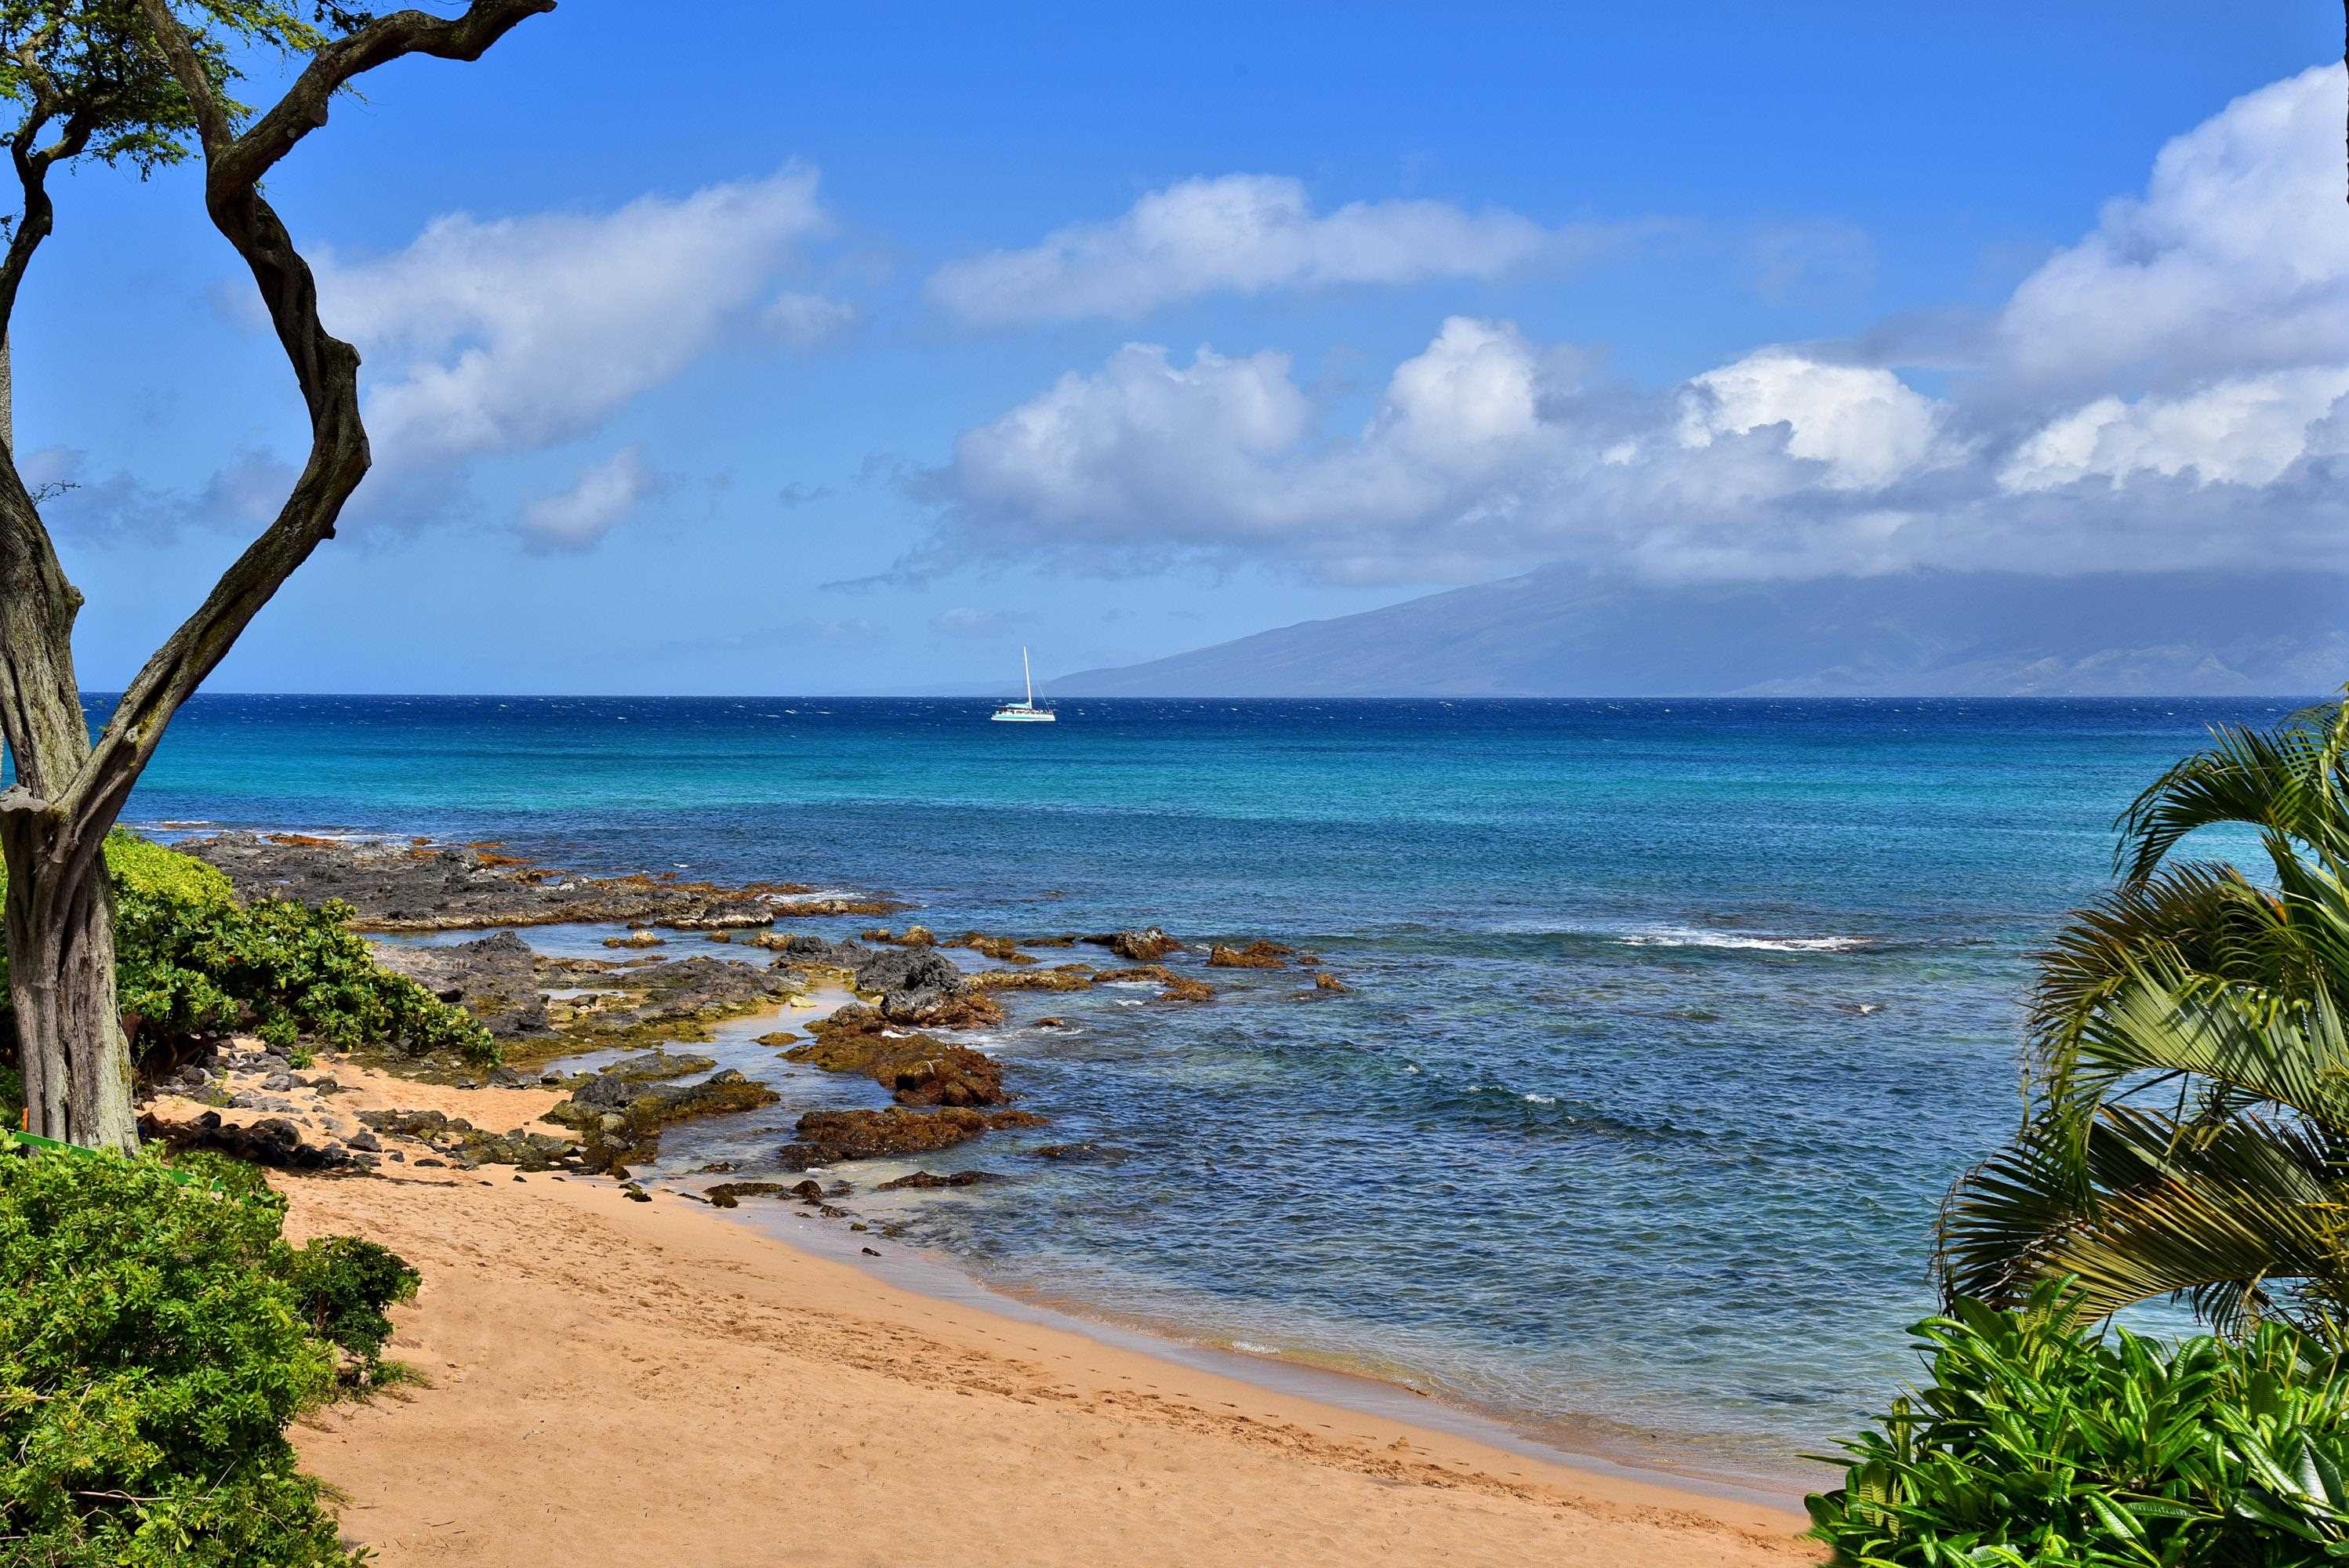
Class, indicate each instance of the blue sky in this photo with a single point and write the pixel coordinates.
(842, 350)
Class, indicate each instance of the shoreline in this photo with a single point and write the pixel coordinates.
(609, 1380)
(941, 1276)
(1682, 1460)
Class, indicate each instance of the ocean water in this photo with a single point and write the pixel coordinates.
(1670, 1020)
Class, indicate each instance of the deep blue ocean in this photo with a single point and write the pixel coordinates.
(1671, 1020)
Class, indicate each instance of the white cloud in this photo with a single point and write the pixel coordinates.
(605, 495)
(2173, 391)
(498, 335)
(2235, 258)
(1240, 233)
(1139, 434)
(1864, 424)
(2246, 431)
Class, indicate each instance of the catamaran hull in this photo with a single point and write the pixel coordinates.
(1023, 717)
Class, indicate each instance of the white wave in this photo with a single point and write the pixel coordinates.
(1253, 1349)
(1540, 1099)
(1693, 936)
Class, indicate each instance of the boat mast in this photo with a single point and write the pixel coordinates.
(1026, 675)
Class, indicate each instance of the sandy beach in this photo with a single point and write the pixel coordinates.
(618, 1382)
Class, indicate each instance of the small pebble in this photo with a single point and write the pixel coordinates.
(870, 1253)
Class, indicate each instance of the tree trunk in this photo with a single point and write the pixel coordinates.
(60, 928)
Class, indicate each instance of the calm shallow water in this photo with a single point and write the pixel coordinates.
(1673, 1021)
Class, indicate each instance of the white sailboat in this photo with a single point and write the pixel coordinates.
(1024, 712)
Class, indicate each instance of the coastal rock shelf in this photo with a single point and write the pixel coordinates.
(417, 886)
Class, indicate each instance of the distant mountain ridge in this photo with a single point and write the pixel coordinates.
(1559, 633)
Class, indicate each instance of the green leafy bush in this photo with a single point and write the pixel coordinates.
(343, 1284)
(193, 960)
(155, 1339)
(2044, 1442)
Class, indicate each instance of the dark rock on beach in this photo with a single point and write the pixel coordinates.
(925, 1181)
(916, 1068)
(910, 981)
(495, 977)
(274, 1140)
(619, 1121)
(726, 1194)
(829, 1137)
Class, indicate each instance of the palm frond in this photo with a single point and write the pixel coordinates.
(2235, 1046)
(2292, 781)
(2233, 1218)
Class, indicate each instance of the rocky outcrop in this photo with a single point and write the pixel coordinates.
(406, 885)
(1059, 977)
(1257, 955)
(730, 1194)
(1002, 949)
(636, 939)
(466, 1146)
(829, 1137)
(910, 981)
(1325, 981)
(274, 1140)
(648, 1107)
(915, 1068)
(838, 905)
(1173, 987)
(808, 952)
(496, 978)
(963, 1008)
(619, 1121)
(1145, 946)
(651, 1067)
(928, 1182)
(673, 999)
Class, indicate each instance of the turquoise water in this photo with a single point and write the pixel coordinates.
(1670, 1020)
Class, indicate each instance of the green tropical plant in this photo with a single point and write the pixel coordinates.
(157, 1334)
(2040, 1440)
(2186, 1131)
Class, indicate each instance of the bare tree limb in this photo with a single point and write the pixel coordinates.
(325, 366)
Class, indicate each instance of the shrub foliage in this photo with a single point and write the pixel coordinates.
(193, 960)
(2045, 1442)
(155, 1339)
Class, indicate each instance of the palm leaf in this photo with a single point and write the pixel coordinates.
(2291, 780)
(2147, 1208)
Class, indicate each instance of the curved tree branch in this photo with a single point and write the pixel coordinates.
(325, 366)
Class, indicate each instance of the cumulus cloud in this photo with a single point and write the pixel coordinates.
(1241, 233)
(1861, 423)
(500, 335)
(2124, 409)
(2246, 431)
(605, 494)
(2236, 257)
